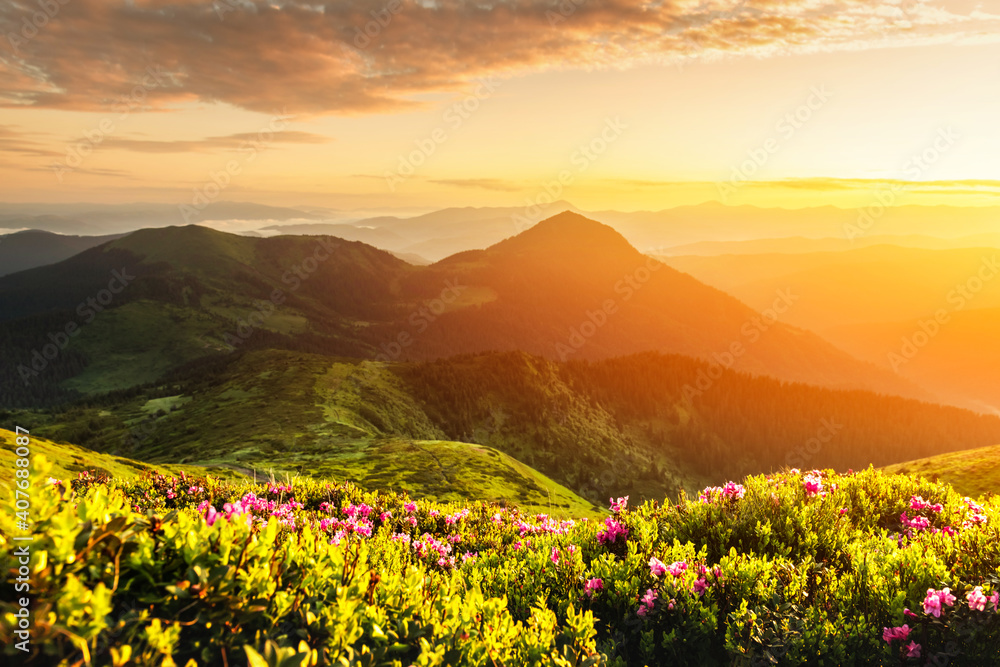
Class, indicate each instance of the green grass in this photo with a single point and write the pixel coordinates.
(137, 343)
(973, 472)
(166, 404)
(440, 470)
(283, 413)
(68, 460)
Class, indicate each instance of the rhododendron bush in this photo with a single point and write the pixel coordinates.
(793, 568)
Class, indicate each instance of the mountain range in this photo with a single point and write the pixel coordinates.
(930, 315)
(567, 288)
(552, 368)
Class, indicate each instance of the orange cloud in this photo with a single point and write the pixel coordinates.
(376, 55)
(228, 142)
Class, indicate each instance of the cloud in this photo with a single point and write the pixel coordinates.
(15, 142)
(357, 56)
(210, 144)
(494, 184)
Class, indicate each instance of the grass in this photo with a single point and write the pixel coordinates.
(973, 472)
(440, 470)
(68, 460)
(283, 413)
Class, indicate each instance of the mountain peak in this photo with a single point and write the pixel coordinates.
(569, 233)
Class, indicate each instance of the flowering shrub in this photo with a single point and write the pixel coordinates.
(787, 569)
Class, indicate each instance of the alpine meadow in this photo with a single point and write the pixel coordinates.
(503, 333)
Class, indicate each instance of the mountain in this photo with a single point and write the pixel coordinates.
(655, 231)
(571, 288)
(958, 357)
(380, 238)
(31, 248)
(867, 301)
(881, 283)
(567, 288)
(801, 245)
(97, 219)
(503, 423)
(125, 312)
(438, 234)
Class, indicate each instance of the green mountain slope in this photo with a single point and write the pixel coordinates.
(645, 425)
(973, 472)
(68, 460)
(284, 413)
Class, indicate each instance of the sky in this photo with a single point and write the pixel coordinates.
(403, 104)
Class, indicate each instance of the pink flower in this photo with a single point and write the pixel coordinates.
(709, 493)
(618, 506)
(946, 597)
(612, 531)
(647, 602)
(700, 586)
(932, 604)
(995, 600)
(410, 507)
(813, 484)
(902, 633)
(733, 490)
(936, 600)
(592, 586)
(211, 516)
(918, 522)
(917, 503)
(677, 568)
(656, 567)
(976, 599)
(554, 557)
(843, 511)
(913, 650)
(670, 605)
